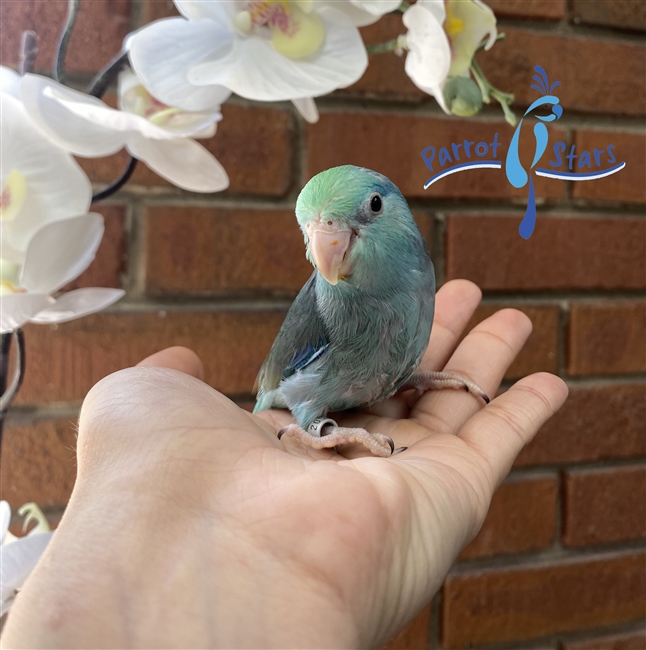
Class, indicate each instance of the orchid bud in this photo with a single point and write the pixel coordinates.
(462, 96)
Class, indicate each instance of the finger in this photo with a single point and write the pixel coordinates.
(483, 357)
(176, 358)
(500, 431)
(455, 303)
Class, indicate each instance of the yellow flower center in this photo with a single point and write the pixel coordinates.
(453, 25)
(152, 109)
(13, 195)
(296, 31)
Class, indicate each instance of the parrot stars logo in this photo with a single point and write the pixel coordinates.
(605, 162)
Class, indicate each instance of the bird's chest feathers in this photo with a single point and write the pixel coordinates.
(372, 341)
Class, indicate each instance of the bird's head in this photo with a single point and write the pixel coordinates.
(356, 222)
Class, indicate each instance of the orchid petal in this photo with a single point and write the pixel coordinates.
(162, 52)
(18, 561)
(435, 7)
(16, 309)
(57, 188)
(183, 162)
(207, 132)
(429, 56)
(49, 106)
(32, 513)
(306, 106)
(358, 16)
(9, 82)
(201, 9)
(438, 93)
(255, 70)
(5, 518)
(60, 252)
(78, 303)
(108, 120)
(135, 98)
(377, 7)
(478, 21)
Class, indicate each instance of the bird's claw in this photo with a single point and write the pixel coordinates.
(377, 443)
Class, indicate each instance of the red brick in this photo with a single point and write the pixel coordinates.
(563, 253)
(39, 463)
(220, 251)
(626, 185)
(212, 250)
(629, 14)
(627, 641)
(595, 423)
(514, 604)
(157, 9)
(597, 75)
(254, 145)
(540, 352)
(607, 338)
(552, 9)
(602, 506)
(522, 517)
(110, 262)
(385, 75)
(232, 345)
(392, 144)
(97, 37)
(415, 635)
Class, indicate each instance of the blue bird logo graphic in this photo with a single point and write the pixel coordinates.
(516, 173)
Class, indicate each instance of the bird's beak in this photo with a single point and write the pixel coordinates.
(329, 242)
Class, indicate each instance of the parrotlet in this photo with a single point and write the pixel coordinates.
(357, 331)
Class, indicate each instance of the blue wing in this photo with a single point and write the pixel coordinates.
(301, 340)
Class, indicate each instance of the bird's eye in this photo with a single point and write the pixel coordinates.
(375, 203)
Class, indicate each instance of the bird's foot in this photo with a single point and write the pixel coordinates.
(423, 381)
(333, 436)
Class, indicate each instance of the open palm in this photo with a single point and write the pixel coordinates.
(272, 544)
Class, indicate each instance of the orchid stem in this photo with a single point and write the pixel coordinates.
(104, 79)
(97, 88)
(59, 63)
(28, 51)
(8, 393)
(398, 43)
(500, 37)
(118, 184)
(404, 6)
(488, 91)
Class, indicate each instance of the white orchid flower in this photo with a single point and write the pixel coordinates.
(19, 555)
(159, 135)
(442, 40)
(363, 12)
(265, 50)
(47, 238)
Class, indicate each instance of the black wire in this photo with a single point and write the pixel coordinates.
(97, 88)
(104, 79)
(115, 186)
(16, 382)
(61, 51)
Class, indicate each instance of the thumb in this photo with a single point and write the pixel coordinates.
(176, 358)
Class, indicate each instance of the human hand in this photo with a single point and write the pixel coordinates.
(191, 525)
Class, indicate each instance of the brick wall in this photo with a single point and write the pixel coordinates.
(560, 560)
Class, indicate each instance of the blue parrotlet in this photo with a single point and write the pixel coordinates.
(358, 329)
